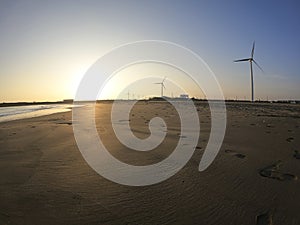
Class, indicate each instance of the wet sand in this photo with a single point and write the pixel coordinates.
(253, 180)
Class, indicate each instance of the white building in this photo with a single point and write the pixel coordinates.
(185, 96)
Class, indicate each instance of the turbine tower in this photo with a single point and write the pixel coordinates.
(251, 59)
(162, 86)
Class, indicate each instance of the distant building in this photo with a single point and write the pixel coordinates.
(185, 96)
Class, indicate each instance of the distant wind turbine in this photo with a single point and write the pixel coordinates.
(162, 86)
(251, 59)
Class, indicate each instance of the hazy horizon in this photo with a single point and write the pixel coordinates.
(47, 46)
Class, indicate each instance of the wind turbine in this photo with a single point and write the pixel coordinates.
(162, 86)
(251, 59)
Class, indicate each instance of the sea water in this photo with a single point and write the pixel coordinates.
(29, 111)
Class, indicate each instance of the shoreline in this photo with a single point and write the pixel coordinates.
(229, 104)
(22, 112)
(71, 101)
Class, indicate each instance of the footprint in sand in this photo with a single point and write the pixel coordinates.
(236, 154)
(264, 219)
(273, 172)
(66, 122)
(4, 218)
(297, 154)
(182, 136)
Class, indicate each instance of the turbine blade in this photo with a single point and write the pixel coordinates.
(156, 83)
(241, 60)
(252, 52)
(258, 66)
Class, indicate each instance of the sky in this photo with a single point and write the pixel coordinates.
(47, 46)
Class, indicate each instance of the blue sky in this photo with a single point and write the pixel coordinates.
(46, 46)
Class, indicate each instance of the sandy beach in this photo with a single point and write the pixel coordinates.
(255, 178)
